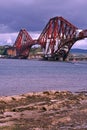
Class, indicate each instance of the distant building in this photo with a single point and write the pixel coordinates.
(11, 51)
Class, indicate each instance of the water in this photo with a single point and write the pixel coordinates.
(22, 76)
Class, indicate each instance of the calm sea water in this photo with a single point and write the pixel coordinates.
(22, 76)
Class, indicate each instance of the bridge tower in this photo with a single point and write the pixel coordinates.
(23, 44)
(55, 38)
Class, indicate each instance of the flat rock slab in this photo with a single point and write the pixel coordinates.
(49, 110)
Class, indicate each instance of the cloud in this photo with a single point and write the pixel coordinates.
(4, 28)
(35, 35)
(81, 44)
(8, 38)
(34, 15)
(9, 41)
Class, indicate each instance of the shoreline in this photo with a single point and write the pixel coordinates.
(59, 110)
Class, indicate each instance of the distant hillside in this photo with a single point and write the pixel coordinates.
(78, 50)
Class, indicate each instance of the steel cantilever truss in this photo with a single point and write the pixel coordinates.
(23, 44)
(56, 39)
(54, 35)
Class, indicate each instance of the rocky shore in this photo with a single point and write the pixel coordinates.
(49, 110)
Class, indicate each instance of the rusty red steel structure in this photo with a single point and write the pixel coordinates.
(56, 39)
(23, 44)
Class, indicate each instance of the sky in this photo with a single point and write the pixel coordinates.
(33, 15)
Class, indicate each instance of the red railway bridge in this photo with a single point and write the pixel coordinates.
(56, 39)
